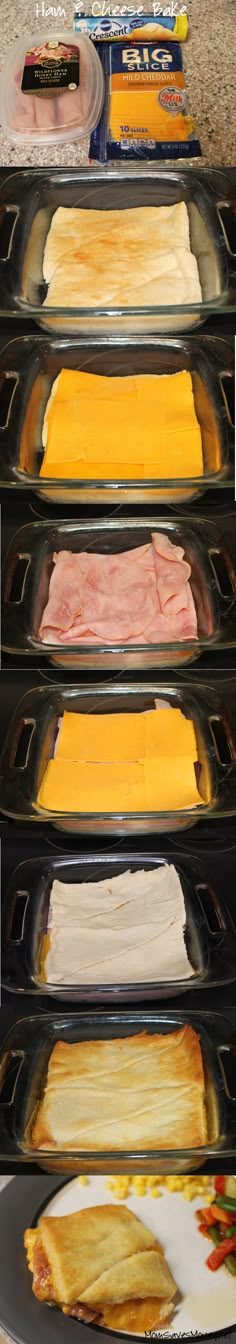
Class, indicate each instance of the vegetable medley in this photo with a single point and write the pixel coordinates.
(217, 1222)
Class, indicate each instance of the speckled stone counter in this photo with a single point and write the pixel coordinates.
(210, 70)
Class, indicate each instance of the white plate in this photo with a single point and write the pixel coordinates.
(207, 1301)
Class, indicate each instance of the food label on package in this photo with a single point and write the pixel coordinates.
(145, 112)
(111, 28)
(146, 85)
(51, 69)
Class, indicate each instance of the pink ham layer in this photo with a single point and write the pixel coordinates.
(141, 596)
(47, 114)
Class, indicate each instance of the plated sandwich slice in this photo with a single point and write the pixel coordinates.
(101, 1264)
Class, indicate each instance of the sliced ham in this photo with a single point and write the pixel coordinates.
(69, 109)
(82, 1313)
(24, 114)
(140, 596)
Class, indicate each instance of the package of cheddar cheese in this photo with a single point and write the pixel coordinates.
(145, 112)
(144, 28)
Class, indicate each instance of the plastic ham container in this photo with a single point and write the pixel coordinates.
(66, 72)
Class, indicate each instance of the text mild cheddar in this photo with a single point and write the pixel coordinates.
(146, 112)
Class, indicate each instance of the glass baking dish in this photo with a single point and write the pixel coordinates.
(28, 566)
(29, 199)
(30, 364)
(24, 1057)
(31, 739)
(210, 932)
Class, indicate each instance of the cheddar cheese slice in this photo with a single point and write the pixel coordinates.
(122, 763)
(139, 427)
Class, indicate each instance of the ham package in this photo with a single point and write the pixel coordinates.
(140, 596)
(52, 89)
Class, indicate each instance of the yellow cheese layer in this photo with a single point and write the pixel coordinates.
(122, 763)
(138, 427)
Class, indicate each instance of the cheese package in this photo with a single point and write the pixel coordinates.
(134, 762)
(145, 111)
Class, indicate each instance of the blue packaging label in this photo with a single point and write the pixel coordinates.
(145, 112)
(104, 28)
(123, 58)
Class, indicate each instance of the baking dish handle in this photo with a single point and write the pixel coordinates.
(226, 209)
(222, 560)
(9, 380)
(221, 934)
(11, 1062)
(226, 378)
(9, 214)
(221, 718)
(214, 916)
(14, 972)
(32, 725)
(16, 574)
(12, 1057)
(227, 1059)
(11, 401)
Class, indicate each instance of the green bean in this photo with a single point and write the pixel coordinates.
(214, 1233)
(224, 1202)
(230, 1263)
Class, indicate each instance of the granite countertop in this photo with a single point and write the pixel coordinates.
(210, 71)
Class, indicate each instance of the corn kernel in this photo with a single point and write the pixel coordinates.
(187, 1186)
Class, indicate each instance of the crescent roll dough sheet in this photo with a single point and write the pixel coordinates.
(122, 929)
(122, 763)
(139, 427)
(120, 258)
(134, 1092)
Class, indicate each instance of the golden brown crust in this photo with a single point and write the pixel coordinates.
(137, 1092)
(98, 1256)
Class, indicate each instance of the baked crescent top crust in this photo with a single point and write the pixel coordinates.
(137, 1093)
(98, 1256)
